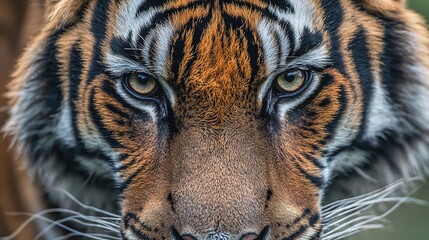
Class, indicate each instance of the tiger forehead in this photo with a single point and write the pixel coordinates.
(166, 37)
(220, 57)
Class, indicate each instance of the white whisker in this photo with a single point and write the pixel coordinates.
(78, 235)
(108, 223)
(60, 225)
(75, 219)
(347, 217)
(79, 203)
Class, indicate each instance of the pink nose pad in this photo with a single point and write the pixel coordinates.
(249, 236)
(188, 238)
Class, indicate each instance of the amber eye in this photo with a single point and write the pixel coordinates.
(140, 84)
(292, 81)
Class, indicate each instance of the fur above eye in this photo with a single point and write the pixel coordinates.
(292, 82)
(140, 85)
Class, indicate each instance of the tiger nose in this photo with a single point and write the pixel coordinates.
(249, 236)
(175, 235)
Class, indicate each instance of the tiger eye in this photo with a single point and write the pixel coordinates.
(142, 84)
(291, 81)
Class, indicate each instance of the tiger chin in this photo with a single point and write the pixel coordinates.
(223, 119)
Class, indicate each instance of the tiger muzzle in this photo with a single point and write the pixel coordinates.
(219, 185)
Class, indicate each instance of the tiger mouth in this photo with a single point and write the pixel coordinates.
(264, 235)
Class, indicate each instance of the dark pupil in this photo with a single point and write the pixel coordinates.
(291, 76)
(142, 79)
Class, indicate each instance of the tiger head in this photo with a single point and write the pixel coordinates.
(224, 119)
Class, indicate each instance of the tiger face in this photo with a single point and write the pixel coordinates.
(222, 119)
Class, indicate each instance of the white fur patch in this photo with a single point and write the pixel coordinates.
(165, 34)
(130, 235)
(129, 23)
(271, 50)
(65, 126)
(303, 17)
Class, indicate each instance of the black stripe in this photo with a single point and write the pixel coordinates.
(297, 233)
(105, 133)
(178, 45)
(126, 166)
(177, 53)
(98, 29)
(121, 159)
(253, 51)
(308, 41)
(393, 57)
(171, 201)
(75, 71)
(123, 47)
(314, 218)
(316, 161)
(199, 28)
(268, 14)
(392, 76)
(130, 216)
(316, 236)
(333, 19)
(281, 4)
(304, 214)
(315, 180)
(52, 95)
(362, 62)
(290, 33)
(48, 97)
(162, 16)
(125, 184)
(331, 127)
(325, 102)
(117, 111)
(148, 4)
(108, 135)
(234, 22)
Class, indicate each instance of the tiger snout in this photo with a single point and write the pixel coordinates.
(219, 186)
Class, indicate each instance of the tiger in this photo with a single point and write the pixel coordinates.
(222, 119)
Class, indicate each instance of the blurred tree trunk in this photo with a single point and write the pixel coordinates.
(18, 21)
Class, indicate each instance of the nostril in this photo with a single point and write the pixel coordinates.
(188, 237)
(249, 236)
(264, 233)
(175, 235)
(252, 236)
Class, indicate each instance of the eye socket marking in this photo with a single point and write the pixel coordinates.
(287, 89)
(141, 85)
(292, 82)
(147, 93)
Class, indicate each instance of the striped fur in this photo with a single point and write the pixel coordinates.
(218, 153)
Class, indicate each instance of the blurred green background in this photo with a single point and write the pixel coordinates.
(409, 222)
(421, 6)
